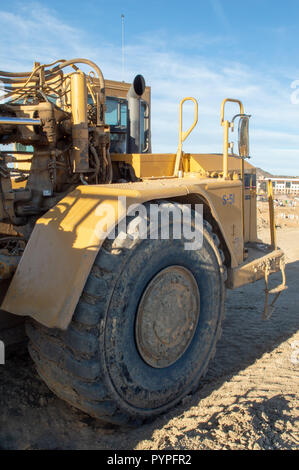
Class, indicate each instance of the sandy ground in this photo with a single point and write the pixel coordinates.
(248, 399)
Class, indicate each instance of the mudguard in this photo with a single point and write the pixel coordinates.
(65, 241)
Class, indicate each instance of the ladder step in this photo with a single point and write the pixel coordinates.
(278, 289)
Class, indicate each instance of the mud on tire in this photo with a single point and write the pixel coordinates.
(97, 365)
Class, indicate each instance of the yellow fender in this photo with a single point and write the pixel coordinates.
(64, 244)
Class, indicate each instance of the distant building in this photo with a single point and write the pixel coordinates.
(280, 185)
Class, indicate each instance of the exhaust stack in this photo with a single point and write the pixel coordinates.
(133, 97)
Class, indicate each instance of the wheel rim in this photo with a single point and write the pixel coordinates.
(167, 316)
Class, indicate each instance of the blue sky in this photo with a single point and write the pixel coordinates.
(209, 49)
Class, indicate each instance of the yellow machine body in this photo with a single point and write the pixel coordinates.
(64, 243)
(62, 248)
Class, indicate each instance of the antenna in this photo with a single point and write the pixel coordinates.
(123, 45)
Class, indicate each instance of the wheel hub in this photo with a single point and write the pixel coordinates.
(167, 316)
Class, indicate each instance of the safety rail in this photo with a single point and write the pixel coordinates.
(271, 214)
(227, 125)
(184, 134)
(226, 145)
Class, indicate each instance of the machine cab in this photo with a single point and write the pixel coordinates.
(124, 113)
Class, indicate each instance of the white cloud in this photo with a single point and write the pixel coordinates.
(36, 33)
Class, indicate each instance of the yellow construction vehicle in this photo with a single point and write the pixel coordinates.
(118, 258)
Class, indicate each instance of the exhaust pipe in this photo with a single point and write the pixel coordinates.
(133, 97)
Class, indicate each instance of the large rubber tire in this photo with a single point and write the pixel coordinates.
(95, 365)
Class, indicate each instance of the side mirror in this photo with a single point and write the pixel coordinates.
(243, 136)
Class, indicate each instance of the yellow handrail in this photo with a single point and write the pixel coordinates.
(230, 100)
(227, 124)
(183, 135)
(271, 214)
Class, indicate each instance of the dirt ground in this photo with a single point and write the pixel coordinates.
(248, 399)
(286, 212)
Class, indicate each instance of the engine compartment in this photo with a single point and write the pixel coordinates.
(70, 142)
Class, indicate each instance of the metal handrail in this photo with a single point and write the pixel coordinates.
(184, 134)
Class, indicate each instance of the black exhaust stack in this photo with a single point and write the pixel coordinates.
(133, 97)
